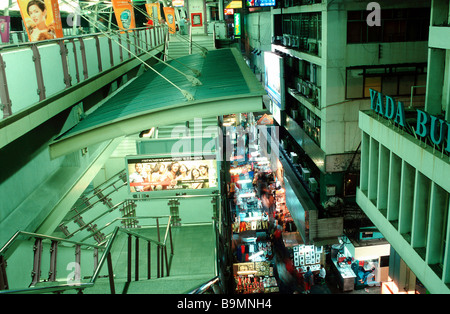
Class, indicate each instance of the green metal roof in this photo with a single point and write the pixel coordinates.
(227, 86)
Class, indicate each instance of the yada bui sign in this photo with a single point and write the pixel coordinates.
(427, 125)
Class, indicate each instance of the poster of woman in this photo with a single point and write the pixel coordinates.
(41, 19)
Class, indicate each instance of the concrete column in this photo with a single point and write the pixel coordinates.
(435, 81)
(364, 173)
(373, 170)
(393, 203)
(221, 13)
(436, 227)
(420, 210)
(383, 178)
(406, 198)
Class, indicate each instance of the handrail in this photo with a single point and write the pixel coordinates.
(205, 286)
(90, 206)
(87, 225)
(106, 257)
(47, 41)
(122, 218)
(63, 287)
(54, 286)
(42, 236)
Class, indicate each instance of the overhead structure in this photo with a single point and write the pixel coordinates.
(228, 86)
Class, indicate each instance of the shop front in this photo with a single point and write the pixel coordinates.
(360, 263)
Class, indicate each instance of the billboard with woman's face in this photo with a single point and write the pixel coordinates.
(146, 174)
(41, 18)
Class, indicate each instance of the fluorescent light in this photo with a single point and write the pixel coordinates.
(256, 255)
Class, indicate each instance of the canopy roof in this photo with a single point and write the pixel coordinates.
(227, 86)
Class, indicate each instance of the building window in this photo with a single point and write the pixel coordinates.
(397, 25)
(390, 80)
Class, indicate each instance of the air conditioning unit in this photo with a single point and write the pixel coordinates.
(294, 157)
(317, 95)
(307, 90)
(305, 173)
(295, 42)
(313, 186)
(303, 88)
(299, 85)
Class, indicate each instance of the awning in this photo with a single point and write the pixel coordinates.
(227, 86)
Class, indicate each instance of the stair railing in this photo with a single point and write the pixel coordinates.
(212, 285)
(51, 284)
(163, 261)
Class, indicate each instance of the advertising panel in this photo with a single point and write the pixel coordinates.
(41, 18)
(274, 83)
(4, 28)
(260, 3)
(124, 13)
(153, 11)
(146, 173)
(170, 19)
(237, 24)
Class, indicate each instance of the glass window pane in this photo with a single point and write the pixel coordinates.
(372, 83)
(355, 81)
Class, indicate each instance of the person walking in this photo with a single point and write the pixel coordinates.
(308, 282)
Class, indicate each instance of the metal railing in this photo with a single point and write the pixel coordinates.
(209, 287)
(83, 57)
(51, 284)
(75, 280)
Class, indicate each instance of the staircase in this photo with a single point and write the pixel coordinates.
(103, 247)
(178, 45)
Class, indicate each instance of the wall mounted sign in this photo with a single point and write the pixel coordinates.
(237, 24)
(427, 125)
(196, 19)
(4, 28)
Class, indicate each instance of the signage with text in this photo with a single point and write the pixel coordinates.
(427, 125)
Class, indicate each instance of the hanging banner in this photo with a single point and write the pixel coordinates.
(124, 14)
(41, 19)
(170, 19)
(4, 28)
(153, 11)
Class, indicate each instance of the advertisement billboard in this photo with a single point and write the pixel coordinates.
(41, 18)
(147, 173)
(4, 28)
(274, 82)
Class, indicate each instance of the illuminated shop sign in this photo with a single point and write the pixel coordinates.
(427, 125)
(237, 24)
(147, 174)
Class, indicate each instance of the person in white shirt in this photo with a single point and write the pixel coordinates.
(322, 274)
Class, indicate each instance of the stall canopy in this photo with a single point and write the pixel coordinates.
(226, 86)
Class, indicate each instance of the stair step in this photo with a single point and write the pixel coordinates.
(166, 285)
